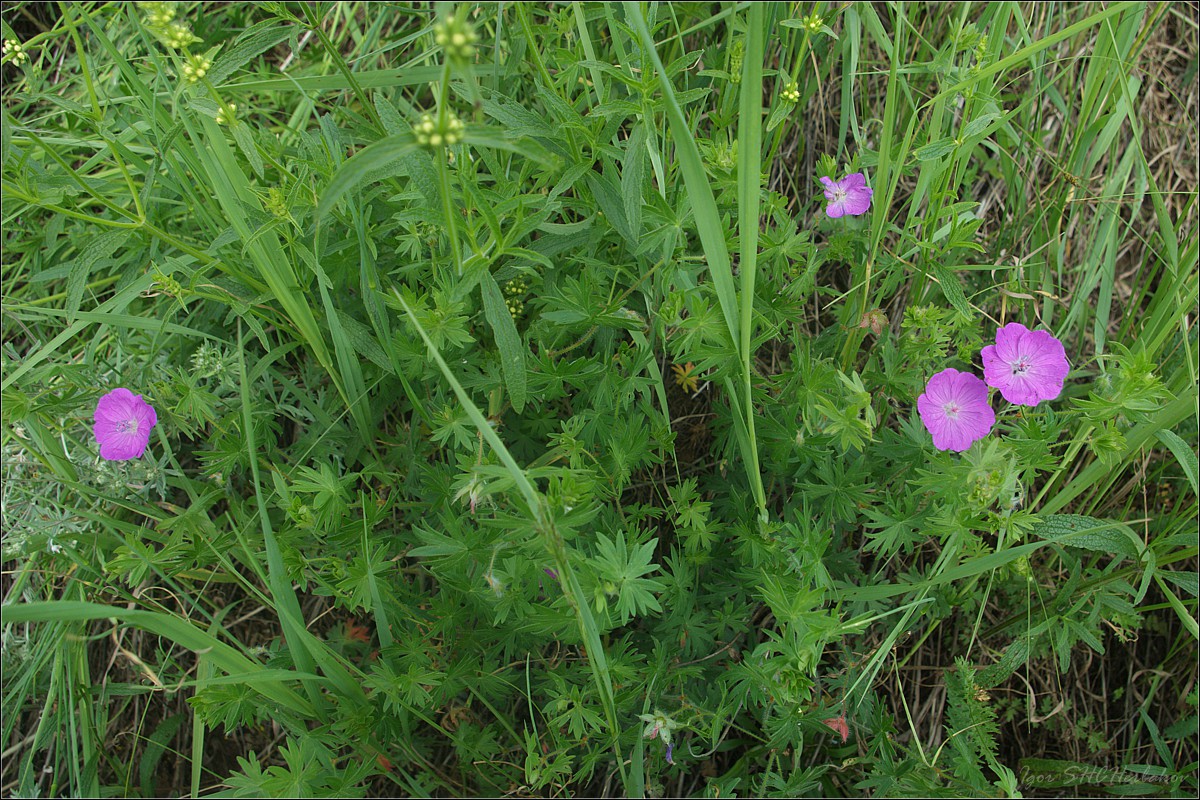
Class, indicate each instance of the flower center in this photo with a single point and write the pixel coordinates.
(127, 426)
(839, 195)
(951, 410)
(1021, 366)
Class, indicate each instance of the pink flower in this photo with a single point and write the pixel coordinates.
(850, 195)
(1026, 366)
(123, 423)
(955, 410)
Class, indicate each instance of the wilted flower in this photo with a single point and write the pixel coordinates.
(123, 423)
(656, 724)
(874, 319)
(955, 410)
(838, 725)
(850, 195)
(1026, 366)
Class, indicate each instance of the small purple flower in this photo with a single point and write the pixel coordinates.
(850, 195)
(670, 747)
(1026, 366)
(551, 573)
(123, 423)
(955, 410)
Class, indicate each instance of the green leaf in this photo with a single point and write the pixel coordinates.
(632, 174)
(1184, 454)
(252, 42)
(171, 628)
(156, 746)
(508, 341)
(952, 289)
(1186, 617)
(935, 150)
(1088, 533)
(604, 189)
(98, 248)
(244, 136)
(385, 153)
(977, 126)
(1188, 581)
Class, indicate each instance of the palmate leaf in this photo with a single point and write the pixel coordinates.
(624, 569)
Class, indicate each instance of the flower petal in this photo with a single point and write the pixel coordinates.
(1008, 341)
(123, 421)
(858, 201)
(855, 180)
(123, 447)
(975, 417)
(115, 405)
(146, 416)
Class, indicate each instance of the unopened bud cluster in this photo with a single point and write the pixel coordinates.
(737, 55)
(813, 23)
(226, 114)
(433, 132)
(196, 67)
(513, 291)
(456, 38)
(166, 284)
(159, 15)
(14, 51)
(791, 92)
(160, 19)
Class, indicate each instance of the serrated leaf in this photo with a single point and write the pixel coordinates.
(245, 142)
(778, 114)
(508, 341)
(1089, 533)
(1015, 655)
(632, 172)
(977, 126)
(607, 197)
(253, 41)
(393, 123)
(386, 152)
(98, 248)
(1188, 581)
(935, 150)
(952, 289)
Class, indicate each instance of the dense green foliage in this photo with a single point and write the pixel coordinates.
(525, 426)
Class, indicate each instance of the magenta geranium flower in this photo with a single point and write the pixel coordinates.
(123, 423)
(955, 410)
(1026, 366)
(850, 195)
